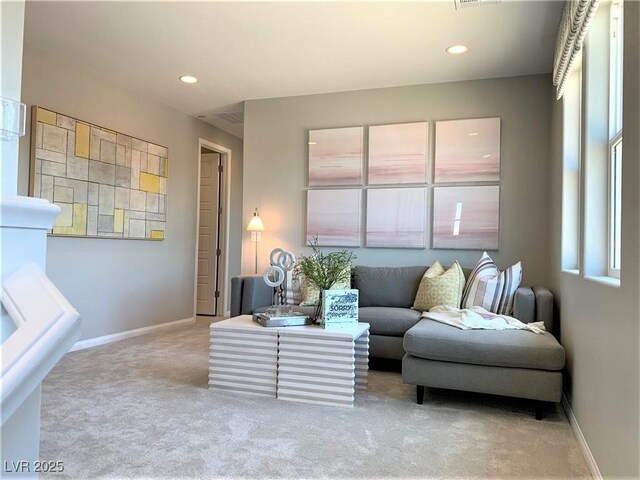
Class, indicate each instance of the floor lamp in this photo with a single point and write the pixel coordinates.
(256, 228)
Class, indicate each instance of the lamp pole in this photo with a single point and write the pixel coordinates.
(256, 234)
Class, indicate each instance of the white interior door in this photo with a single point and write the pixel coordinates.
(207, 294)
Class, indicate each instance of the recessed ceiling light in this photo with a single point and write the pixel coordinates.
(188, 79)
(313, 143)
(473, 134)
(486, 156)
(457, 49)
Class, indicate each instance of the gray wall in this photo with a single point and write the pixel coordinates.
(599, 322)
(119, 285)
(275, 144)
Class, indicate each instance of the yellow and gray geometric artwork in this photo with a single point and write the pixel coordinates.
(106, 184)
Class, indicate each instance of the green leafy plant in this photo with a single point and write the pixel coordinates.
(324, 270)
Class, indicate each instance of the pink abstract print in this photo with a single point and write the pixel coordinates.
(396, 217)
(335, 156)
(334, 217)
(468, 151)
(466, 217)
(398, 153)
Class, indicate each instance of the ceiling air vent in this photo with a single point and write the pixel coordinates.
(231, 117)
(474, 3)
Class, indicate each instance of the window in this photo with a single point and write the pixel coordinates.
(615, 137)
(615, 208)
(572, 127)
(593, 149)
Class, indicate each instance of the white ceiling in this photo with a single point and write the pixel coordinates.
(249, 50)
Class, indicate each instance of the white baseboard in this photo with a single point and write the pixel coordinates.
(582, 442)
(116, 337)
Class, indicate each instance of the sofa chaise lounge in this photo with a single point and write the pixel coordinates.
(509, 362)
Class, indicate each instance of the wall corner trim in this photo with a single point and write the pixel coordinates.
(582, 442)
(116, 337)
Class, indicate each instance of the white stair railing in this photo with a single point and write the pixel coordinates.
(37, 327)
(47, 327)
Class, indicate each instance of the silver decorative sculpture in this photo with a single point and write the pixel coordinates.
(278, 274)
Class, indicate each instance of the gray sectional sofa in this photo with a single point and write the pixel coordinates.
(510, 362)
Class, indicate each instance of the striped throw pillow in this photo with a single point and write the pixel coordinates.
(491, 289)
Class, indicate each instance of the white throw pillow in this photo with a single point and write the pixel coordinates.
(491, 289)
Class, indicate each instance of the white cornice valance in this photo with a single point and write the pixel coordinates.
(574, 25)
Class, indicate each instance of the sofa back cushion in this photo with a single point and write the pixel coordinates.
(388, 286)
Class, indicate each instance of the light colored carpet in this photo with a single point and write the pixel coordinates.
(141, 408)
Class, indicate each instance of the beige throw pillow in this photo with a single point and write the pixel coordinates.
(438, 287)
(311, 295)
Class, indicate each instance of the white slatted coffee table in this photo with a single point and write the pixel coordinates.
(243, 357)
(301, 364)
(322, 366)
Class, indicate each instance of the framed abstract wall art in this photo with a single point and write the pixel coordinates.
(396, 217)
(106, 184)
(335, 156)
(467, 151)
(398, 153)
(466, 217)
(334, 217)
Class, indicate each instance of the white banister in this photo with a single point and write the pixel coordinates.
(38, 326)
(48, 326)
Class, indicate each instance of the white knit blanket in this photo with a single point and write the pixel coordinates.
(479, 318)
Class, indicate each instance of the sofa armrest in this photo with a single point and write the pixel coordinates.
(249, 292)
(524, 305)
(544, 307)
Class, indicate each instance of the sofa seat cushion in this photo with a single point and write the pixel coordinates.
(505, 348)
(390, 321)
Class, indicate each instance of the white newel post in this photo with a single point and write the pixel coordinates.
(38, 328)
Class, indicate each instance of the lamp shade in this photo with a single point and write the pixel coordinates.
(255, 225)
